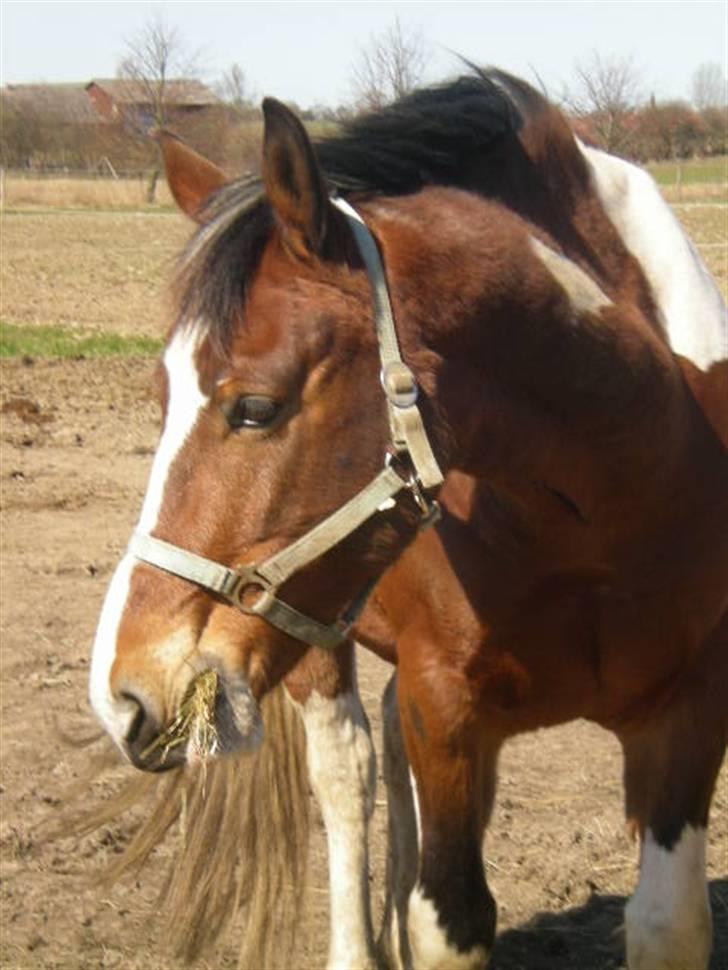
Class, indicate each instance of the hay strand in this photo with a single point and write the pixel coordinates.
(194, 723)
(241, 856)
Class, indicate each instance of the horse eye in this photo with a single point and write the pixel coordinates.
(250, 411)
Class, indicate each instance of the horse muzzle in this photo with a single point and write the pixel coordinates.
(217, 715)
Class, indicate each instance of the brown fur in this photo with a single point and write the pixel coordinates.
(581, 568)
(193, 182)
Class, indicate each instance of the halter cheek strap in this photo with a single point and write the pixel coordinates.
(398, 381)
(409, 466)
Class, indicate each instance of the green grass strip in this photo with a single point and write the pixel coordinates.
(17, 340)
(692, 172)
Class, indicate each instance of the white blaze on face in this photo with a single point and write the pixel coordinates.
(115, 715)
(185, 401)
(690, 306)
(668, 918)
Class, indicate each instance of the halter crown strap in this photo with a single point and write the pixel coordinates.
(398, 381)
(252, 587)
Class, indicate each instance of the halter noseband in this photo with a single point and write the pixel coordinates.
(410, 465)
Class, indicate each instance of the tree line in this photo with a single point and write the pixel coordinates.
(606, 102)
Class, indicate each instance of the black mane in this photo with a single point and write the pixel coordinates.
(426, 138)
(429, 137)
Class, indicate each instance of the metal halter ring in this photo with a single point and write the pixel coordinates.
(250, 591)
(430, 508)
(399, 384)
(253, 587)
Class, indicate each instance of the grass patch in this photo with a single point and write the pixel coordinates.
(69, 192)
(59, 342)
(694, 171)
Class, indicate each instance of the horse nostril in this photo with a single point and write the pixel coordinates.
(137, 721)
(141, 734)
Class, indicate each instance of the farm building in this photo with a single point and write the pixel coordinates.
(117, 99)
(87, 125)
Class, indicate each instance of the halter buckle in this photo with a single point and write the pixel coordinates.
(399, 384)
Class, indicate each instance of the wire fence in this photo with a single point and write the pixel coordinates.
(74, 188)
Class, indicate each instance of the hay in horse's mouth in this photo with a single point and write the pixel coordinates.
(193, 725)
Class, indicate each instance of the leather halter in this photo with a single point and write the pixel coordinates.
(409, 465)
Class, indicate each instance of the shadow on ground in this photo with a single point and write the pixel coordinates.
(591, 937)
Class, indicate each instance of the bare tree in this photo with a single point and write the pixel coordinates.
(154, 56)
(606, 95)
(390, 66)
(233, 89)
(709, 87)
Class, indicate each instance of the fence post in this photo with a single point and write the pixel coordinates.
(107, 161)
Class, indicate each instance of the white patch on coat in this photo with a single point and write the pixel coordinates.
(342, 770)
(668, 920)
(584, 294)
(184, 405)
(690, 306)
(428, 940)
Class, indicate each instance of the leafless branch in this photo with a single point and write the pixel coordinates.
(606, 92)
(709, 87)
(155, 55)
(390, 66)
(232, 88)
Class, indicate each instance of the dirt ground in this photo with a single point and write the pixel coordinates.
(76, 445)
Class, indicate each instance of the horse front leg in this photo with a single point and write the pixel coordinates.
(451, 913)
(402, 847)
(342, 769)
(671, 764)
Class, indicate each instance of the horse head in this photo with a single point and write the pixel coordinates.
(277, 494)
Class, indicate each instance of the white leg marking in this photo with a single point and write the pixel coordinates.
(185, 402)
(427, 938)
(692, 310)
(583, 292)
(668, 919)
(430, 948)
(343, 775)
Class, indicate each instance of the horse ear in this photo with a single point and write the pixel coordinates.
(293, 180)
(191, 178)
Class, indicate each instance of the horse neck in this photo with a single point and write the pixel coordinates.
(541, 174)
(524, 382)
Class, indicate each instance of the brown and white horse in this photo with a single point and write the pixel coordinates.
(580, 568)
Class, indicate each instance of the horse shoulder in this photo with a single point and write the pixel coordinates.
(710, 389)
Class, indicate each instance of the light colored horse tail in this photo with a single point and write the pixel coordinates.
(243, 842)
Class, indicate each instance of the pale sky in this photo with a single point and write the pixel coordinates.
(305, 51)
